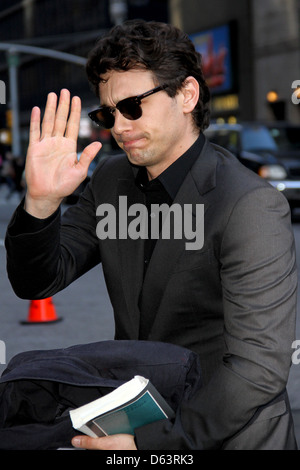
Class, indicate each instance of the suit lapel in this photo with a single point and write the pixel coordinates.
(150, 290)
(198, 181)
(164, 259)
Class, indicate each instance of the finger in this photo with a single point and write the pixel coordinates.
(62, 113)
(35, 123)
(74, 119)
(86, 442)
(114, 442)
(88, 155)
(49, 115)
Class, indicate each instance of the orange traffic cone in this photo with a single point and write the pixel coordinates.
(41, 311)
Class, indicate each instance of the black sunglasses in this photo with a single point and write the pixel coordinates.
(130, 108)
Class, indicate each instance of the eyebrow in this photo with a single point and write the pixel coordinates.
(108, 106)
(122, 99)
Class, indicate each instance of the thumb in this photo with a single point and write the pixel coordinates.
(89, 154)
(91, 443)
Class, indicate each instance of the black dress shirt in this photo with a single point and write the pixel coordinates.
(163, 189)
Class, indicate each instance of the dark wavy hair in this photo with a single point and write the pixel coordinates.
(161, 48)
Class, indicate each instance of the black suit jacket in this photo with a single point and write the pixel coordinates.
(233, 301)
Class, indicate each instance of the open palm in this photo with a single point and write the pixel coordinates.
(52, 169)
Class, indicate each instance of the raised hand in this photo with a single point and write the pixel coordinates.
(52, 169)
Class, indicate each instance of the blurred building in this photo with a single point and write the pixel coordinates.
(71, 26)
(251, 52)
(276, 54)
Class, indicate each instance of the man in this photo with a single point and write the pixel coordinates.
(230, 297)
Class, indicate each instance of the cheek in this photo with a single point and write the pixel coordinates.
(159, 115)
(162, 121)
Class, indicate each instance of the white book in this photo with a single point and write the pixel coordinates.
(133, 404)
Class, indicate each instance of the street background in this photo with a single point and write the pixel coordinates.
(84, 308)
(84, 311)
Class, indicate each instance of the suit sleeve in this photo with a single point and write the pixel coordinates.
(44, 257)
(259, 282)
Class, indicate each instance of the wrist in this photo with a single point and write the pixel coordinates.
(40, 208)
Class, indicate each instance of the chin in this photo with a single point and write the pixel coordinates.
(136, 158)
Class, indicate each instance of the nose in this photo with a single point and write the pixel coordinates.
(121, 124)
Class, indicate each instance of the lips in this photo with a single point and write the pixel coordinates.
(127, 144)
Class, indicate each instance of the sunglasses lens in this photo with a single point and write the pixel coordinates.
(130, 109)
(103, 117)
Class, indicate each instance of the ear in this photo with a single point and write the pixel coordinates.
(190, 91)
